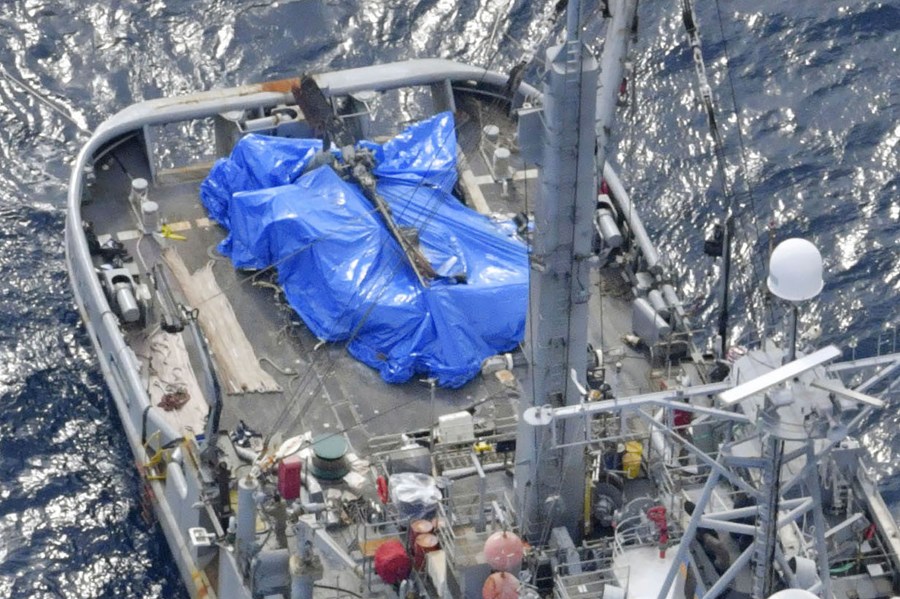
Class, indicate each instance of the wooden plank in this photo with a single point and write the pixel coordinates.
(183, 174)
(230, 347)
(472, 192)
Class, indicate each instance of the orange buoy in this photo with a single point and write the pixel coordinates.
(504, 551)
(500, 585)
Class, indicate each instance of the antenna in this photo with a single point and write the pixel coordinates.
(795, 275)
(837, 389)
(779, 375)
(795, 270)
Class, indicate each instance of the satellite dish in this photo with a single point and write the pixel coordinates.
(795, 270)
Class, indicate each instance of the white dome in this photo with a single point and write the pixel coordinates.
(795, 270)
(793, 594)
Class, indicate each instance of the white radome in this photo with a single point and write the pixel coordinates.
(795, 270)
(794, 594)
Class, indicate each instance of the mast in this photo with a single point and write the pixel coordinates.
(550, 482)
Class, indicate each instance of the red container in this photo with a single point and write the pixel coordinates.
(289, 477)
(391, 562)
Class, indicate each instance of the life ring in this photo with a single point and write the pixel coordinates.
(381, 484)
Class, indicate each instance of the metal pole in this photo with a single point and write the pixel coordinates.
(767, 519)
(689, 533)
(482, 490)
(720, 469)
(815, 490)
(562, 248)
(792, 334)
(729, 574)
(246, 516)
(726, 269)
(431, 382)
(573, 20)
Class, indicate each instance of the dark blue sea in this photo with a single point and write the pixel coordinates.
(815, 84)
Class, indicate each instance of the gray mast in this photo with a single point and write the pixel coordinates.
(550, 484)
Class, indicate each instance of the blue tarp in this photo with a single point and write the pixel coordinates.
(257, 162)
(347, 277)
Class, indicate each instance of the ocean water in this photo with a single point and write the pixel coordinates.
(815, 83)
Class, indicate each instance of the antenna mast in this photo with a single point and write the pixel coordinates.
(551, 483)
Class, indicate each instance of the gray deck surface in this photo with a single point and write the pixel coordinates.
(326, 389)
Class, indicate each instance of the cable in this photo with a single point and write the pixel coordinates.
(46, 101)
(706, 94)
(748, 269)
(737, 116)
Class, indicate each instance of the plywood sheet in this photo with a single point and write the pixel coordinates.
(233, 353)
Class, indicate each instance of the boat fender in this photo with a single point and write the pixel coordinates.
(381, 484)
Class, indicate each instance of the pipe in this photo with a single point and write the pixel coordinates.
(467, 471)
(246, 515)
(610, 233)
(657, 439)
(623, 203)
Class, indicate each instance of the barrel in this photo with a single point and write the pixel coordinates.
(631, 461)
(419, 527)
(328, 462)
(425, 543)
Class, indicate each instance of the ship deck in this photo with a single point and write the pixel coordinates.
(323, 388)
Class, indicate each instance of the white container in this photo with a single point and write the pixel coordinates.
(138, 193)
(458, 427)
(150, 217)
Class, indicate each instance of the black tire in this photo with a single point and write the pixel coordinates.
(607, 499)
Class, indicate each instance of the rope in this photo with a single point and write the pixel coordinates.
(44, 100)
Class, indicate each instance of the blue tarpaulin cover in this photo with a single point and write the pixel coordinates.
(347, 277)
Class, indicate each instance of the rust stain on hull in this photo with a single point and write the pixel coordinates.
(281, 86)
